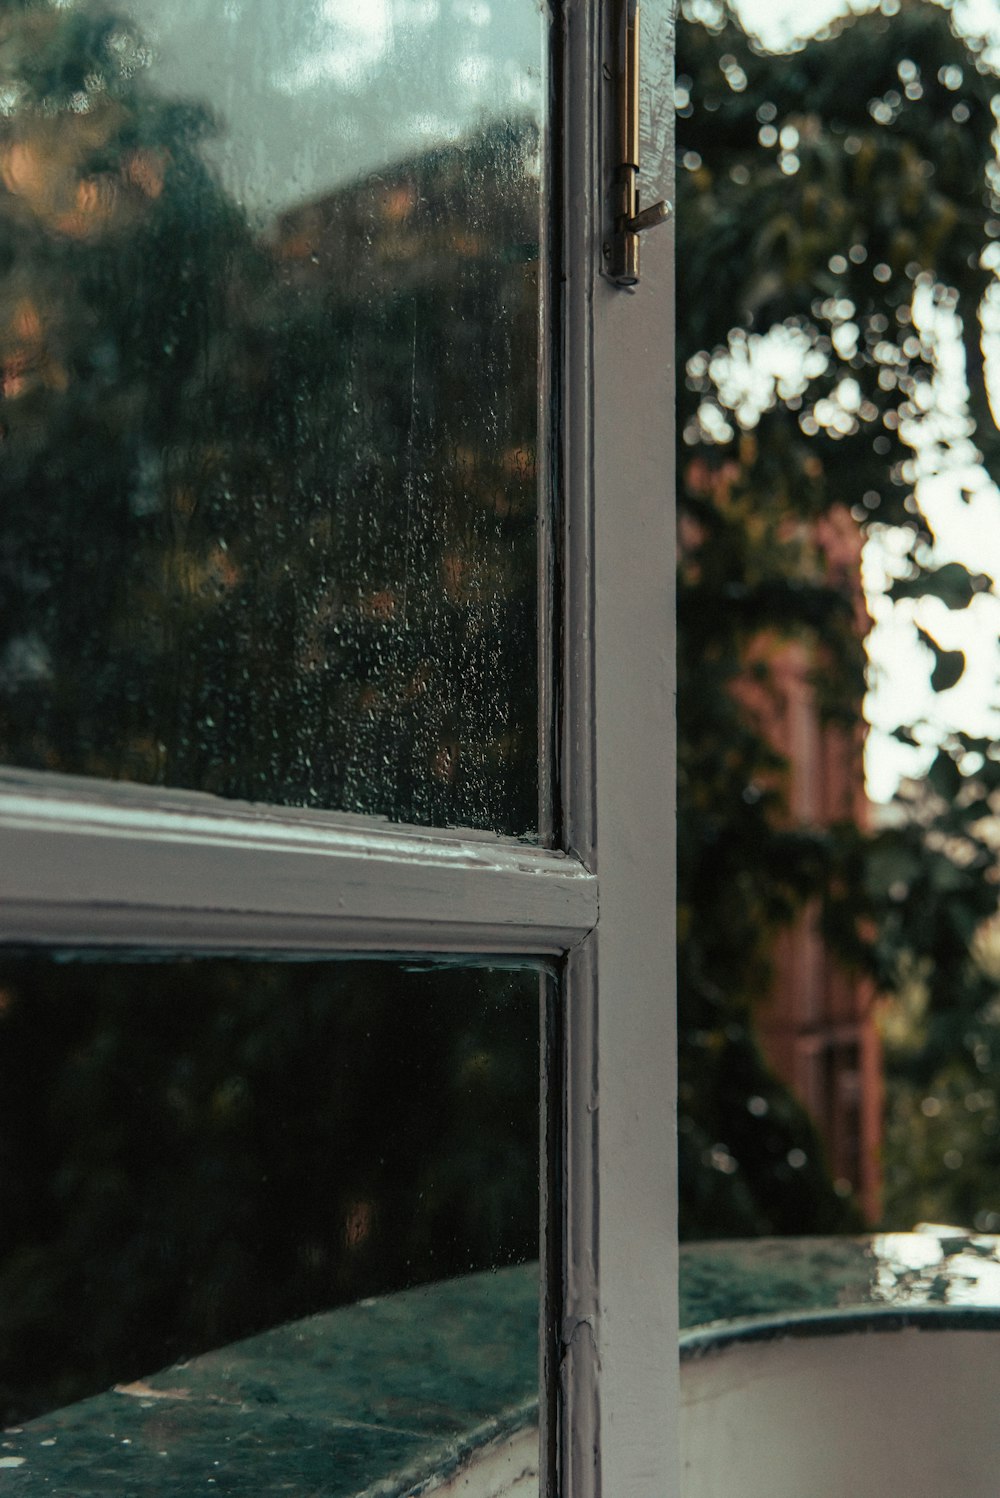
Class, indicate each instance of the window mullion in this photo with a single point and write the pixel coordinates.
(619, 1311)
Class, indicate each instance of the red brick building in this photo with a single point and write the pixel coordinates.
(817, 1025)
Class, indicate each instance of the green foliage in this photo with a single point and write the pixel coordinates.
(954, 584)
(943, 1133)
(948, 665)
(826, 200)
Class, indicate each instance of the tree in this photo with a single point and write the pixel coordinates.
(828, 201)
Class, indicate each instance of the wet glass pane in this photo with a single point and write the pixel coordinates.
(838, 708)
(268, 343)
(221, 1182)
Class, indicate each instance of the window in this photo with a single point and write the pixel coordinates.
(104, 862)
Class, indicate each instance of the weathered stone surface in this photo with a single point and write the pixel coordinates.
(377, 1395)
(378, 1399)
(884, 1272)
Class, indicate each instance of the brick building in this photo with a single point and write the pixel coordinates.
(817, 1025)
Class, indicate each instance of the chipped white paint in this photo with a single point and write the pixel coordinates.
(144, 1391)
(506, 1469)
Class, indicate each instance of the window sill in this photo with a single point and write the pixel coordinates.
(389, 1397)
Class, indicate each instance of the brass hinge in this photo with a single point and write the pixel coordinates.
(629, 221)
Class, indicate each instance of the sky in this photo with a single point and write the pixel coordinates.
(966, 531)
(312, 94)
(780, 22)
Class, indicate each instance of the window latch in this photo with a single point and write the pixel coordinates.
(622, 251)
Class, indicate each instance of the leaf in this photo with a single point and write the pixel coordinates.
(953, 583)
(948, 670)
(946, 878)
(948, 664)
(890, 861)
(945, 776)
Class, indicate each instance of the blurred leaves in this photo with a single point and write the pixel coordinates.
(831, 204)
(953, 583)
(948, 664)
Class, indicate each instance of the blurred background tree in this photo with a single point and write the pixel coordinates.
(836, 206)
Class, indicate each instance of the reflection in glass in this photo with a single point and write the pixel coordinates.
(268, 336)
(193, 1152)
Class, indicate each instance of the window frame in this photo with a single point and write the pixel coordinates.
(621, 1388)
(109, 865)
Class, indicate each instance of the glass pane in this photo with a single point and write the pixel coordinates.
(269, 341)
(195, 1153)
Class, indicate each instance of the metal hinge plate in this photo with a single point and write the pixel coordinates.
(629, 220)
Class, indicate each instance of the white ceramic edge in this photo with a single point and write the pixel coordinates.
(507, 1468)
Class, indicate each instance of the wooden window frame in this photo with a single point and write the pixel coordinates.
(112, 866)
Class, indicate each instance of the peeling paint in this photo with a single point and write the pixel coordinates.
(573, 1326)
(141, 1390)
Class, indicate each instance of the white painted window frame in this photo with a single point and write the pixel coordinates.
(88, 863)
